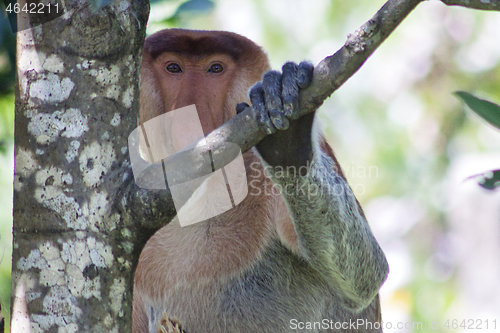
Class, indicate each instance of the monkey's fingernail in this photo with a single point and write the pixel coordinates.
(286, 124)
(301, 81)
(288, 108)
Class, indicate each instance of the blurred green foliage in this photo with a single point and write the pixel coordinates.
(6, 121)
(176, 13)
(7, 56)
(7, 77)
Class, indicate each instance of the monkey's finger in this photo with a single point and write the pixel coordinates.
(240, 107)
(290, 89)
(271, 84)
(280, 121)
(257, 98)
(305, 74)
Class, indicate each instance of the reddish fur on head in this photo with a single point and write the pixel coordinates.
(215, 94)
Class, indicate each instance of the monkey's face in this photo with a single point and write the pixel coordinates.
(213, 70)
(203, 81)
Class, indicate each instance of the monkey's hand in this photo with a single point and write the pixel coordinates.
(276, 101)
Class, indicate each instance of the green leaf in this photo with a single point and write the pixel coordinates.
(487, 110)
(488, 180)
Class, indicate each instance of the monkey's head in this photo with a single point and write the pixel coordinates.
(212, 70)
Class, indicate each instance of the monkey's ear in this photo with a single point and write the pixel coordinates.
(240, 107)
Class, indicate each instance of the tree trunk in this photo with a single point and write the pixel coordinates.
(77, 98)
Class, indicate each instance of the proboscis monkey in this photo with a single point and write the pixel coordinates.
(294, 260)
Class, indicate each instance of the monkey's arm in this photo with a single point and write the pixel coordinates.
(333, 235)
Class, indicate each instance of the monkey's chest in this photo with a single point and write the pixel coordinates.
(280, 293)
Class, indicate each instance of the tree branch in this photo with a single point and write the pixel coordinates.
(475, 4)
(329, 75)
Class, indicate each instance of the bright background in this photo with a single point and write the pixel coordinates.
(405, 142)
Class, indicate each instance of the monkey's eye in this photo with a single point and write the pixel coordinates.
(174, 68)
(216, 68)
